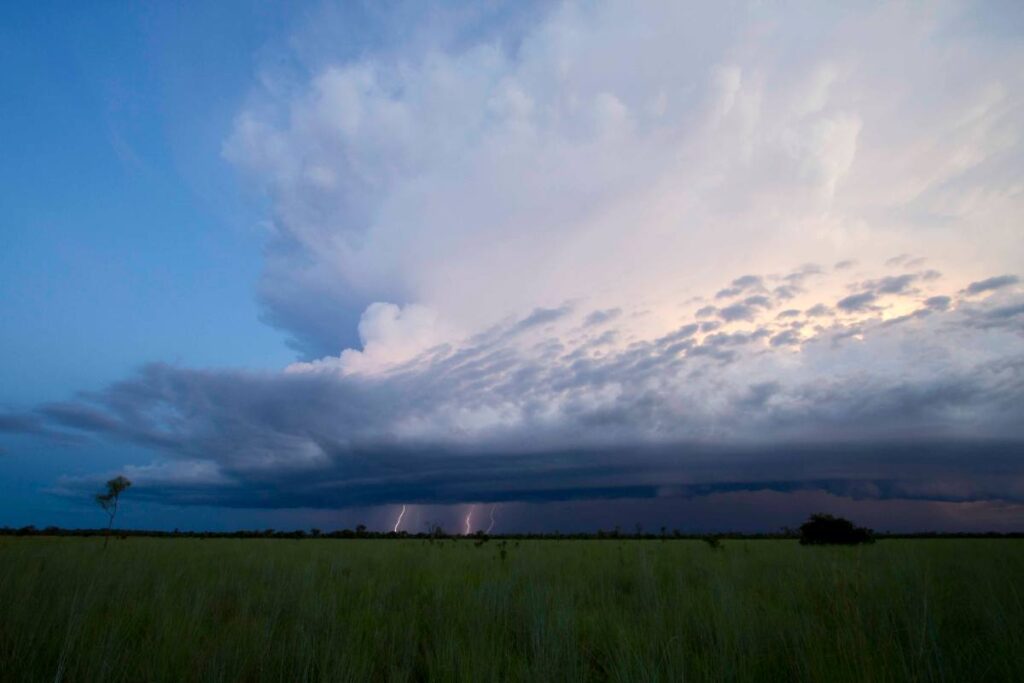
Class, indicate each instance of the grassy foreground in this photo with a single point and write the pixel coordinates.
(365, 610)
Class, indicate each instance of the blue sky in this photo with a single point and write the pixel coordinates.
(124, 236)
(288, 264)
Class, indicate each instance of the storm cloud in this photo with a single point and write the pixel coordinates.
(579, 258)
(529, 410)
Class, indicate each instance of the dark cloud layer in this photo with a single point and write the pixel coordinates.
(948, 471)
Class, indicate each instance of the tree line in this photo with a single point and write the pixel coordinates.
(361, 532)
(819, 529)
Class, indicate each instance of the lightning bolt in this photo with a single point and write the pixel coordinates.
(469, 518)
(491, 525)
(398, 521)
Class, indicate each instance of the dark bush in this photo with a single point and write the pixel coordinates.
(824, 529)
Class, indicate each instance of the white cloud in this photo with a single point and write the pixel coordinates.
(625, 154)
(390, 335)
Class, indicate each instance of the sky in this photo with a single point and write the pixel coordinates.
(519, 266)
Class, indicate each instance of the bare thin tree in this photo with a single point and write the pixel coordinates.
(108, 501)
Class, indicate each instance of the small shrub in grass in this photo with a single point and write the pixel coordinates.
(713, 542)
(822, 529)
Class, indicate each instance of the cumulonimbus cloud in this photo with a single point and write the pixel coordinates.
(573, 261)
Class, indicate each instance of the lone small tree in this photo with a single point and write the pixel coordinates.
(108, 501)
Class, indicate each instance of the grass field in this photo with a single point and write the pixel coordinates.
(366, 610)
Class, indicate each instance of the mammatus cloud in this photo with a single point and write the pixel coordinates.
(573, 262)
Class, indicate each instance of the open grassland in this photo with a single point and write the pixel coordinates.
(366, 610)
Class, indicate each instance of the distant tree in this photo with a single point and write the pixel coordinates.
(109, 499)
(822, 529)
(360, 530)
(713, 542)
(435, 532)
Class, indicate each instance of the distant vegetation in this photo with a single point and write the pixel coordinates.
(438, 533)
(472, 609)
(823, 529)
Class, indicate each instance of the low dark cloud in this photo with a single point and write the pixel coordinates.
(1006, 316)
(906, 261)
(21, 424)
(1006, 312)
(758, 300)
(543, 316)
(737, 312)
(896, 284)
(602, 316)
(740, 285)
(785, 338)
(857, 302)
(960, 471)
(938, 303)
(797, 277)
(786, 292)
(706, 311)
(684, 332)
(79, 416)
(991, 284)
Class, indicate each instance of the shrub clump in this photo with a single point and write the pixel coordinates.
(713, 542)
(823, 529)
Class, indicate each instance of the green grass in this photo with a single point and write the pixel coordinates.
(366, 610)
